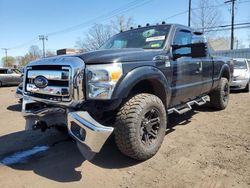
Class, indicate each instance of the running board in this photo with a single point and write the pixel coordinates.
(188, 106)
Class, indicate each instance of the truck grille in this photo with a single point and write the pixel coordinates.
(49, 82)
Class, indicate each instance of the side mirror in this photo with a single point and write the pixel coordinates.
(199, 50)
(195, 50)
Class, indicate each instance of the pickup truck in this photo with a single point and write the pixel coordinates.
(128, 87)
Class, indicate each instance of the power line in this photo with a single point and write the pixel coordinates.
(225, 29)
(125, 8)
(228, 25)
(23, 44)
(116, 12)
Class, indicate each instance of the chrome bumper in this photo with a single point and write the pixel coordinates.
(19, 94)
(85, 130)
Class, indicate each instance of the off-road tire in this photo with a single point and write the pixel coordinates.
(246, 88)
(219, 97)
(129, 126)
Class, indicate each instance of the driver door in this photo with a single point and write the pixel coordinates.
(187, 73)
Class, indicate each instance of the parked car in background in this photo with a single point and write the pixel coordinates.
(241, 76)
(10, 76)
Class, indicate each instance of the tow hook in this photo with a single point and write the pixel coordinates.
(42, 125)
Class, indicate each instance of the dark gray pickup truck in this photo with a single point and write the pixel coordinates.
(128, 87)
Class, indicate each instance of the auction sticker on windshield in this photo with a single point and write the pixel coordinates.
(150, 39)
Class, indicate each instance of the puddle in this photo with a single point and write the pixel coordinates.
(22, 156)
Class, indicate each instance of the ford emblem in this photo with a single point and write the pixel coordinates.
(41, 82)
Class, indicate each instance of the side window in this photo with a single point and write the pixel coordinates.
(2, 71)
(183, 37)
(10, 71)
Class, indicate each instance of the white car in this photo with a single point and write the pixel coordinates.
(241, 76)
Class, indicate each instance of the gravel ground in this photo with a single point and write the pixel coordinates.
(203, 148)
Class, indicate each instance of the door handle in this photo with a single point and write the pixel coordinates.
(199, 69)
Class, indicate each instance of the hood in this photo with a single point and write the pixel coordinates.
(239, 72)
(119, 55)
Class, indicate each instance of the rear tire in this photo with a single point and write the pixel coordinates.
(140, 126)
(246, 88)
(220, 96)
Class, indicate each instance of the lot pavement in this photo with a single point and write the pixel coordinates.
(203, 148)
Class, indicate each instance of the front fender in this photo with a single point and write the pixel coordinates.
(127, 83)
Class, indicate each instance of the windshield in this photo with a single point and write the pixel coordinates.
(147, 38)
(240, 65)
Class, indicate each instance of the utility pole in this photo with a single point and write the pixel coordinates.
(232, 23)
(43, 38)
(6, 55)
(189, 13)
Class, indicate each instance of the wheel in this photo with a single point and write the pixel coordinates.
(220, 96)
(246, 88)
(140, 126)
(1, 84)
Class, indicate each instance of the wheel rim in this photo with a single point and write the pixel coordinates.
(225, 93)
(150, 127)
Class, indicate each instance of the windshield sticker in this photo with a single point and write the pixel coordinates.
(148, 33)
(157, 45)
(150, 39)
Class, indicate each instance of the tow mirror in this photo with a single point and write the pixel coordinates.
(197, 48)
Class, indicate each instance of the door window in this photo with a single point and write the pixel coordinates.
(10, 71)
(3, 71)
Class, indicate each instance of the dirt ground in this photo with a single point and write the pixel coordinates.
(203, 148)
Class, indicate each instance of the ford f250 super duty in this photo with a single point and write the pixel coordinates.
(129, 86)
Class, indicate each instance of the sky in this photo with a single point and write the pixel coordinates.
(22, 21)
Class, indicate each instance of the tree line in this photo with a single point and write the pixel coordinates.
(33, 53)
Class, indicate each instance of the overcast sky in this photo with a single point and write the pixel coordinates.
(21, 21)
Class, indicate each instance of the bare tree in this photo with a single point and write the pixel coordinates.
(50, 53)
(99, 33)
(206, 16)
(34, 53)
(95, 37)
(122, 24)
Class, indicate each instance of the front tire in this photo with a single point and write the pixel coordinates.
(220, 96)
(140, 126)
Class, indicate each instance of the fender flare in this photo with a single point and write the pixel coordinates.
(133, 77)
(225, 68)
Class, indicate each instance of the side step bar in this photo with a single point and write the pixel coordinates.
(188, 106)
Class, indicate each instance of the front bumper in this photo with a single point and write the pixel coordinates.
(19, 93)
(238, 84)
(88, 132)
(81, 126)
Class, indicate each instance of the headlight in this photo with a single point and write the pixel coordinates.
(101, 80)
